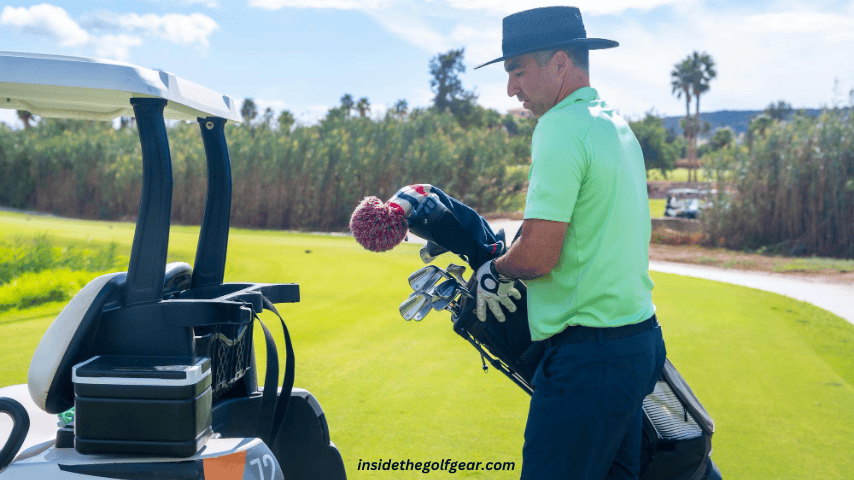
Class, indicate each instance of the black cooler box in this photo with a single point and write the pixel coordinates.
(142, 405)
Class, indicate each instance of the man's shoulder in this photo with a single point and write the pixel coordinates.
(570, 121)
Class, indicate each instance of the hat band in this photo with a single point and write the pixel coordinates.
(527, 43)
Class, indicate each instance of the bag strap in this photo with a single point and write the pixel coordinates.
(288, 381)
(273, 411)
(268, 398)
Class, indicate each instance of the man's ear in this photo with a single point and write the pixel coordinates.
(562, 62)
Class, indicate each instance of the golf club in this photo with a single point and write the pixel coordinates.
(444, 293)
(430, 251)
(412, 305)
(425, 308)
(457, 272)
(423, 279)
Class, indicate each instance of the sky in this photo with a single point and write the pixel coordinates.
(303, 55)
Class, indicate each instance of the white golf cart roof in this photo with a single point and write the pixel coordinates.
(97, 89)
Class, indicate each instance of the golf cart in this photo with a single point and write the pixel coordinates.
(158, 361)
(687, 202)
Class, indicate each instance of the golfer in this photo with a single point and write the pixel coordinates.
(584, 250)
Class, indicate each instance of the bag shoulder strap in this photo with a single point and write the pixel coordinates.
(273, 410)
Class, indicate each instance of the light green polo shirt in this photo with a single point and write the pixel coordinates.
(587, 170)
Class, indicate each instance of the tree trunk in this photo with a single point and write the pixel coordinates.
(689, 134)
(697, 130)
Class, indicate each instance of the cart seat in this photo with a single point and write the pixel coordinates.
(68, 340)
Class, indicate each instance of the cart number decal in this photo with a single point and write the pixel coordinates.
(268, 460)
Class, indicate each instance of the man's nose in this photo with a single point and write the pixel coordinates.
(512, 87)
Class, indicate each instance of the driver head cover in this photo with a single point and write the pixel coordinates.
(377, 226)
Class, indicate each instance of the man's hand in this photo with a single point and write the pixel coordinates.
(494, 290)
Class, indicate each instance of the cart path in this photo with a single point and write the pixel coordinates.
(833, 297)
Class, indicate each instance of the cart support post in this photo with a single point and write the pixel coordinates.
(209, 266)
(151, 238)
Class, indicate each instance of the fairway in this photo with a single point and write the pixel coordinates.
(776, 375)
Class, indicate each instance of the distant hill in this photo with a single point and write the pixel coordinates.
(737, 120)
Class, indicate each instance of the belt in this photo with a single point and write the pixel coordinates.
(580, 333)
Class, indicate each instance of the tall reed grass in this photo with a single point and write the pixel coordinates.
(307, 179)
(791, 191)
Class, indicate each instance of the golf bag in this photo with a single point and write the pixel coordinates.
(677, 430)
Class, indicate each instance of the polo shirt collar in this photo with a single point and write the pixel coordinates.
(582, 95)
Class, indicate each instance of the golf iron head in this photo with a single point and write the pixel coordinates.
(456, 271)
(423, 279)
(444, 293)
(430, 251)
(414, 306)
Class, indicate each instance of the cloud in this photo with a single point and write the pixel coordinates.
(175, 28)
(312, 114)
(495, 96)
(333, 4)
(786, 54)
(48, 21)
(587, 7)
(207, 3)
(262, 104)
(116, 46)
(10, 117)
(831, 26)
(54, 23)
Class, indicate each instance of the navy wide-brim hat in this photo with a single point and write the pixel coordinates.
(545, 28)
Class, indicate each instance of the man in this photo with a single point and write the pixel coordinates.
(584, 251)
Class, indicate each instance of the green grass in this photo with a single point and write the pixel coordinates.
(777, 375)
(677, 175)
(656, 207)
(815, 264)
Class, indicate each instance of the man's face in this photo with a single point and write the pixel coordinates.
(534, 86)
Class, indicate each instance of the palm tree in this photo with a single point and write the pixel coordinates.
(267, 118)
(703, 67)
(347, 104)
(286, 119)
(248, 111)
(363, 106)
(400, 108)
(758, 126)
(26, 117)
(681, 81)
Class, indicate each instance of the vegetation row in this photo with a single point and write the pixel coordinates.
(310, 178)
(789, 189)
(35, 271)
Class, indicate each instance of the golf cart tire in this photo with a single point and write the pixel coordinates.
(302, 447)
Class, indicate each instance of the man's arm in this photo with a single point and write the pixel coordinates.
(536, 252)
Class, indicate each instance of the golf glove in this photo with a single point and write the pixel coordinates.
(408, 197)
(494, 290)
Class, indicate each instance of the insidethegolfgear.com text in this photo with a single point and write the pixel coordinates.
(446, 465)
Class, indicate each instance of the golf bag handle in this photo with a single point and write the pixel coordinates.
(20, 427)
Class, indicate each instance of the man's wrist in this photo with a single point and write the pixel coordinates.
(493, 268)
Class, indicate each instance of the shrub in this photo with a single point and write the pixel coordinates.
(34, 288)
(665, 236)
(39, 253)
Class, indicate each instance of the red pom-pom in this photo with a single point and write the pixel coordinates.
(376, 226)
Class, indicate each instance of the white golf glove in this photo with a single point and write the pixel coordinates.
(494, 290)
(408, 197)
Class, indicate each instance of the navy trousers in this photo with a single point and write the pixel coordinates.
(585, 416)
